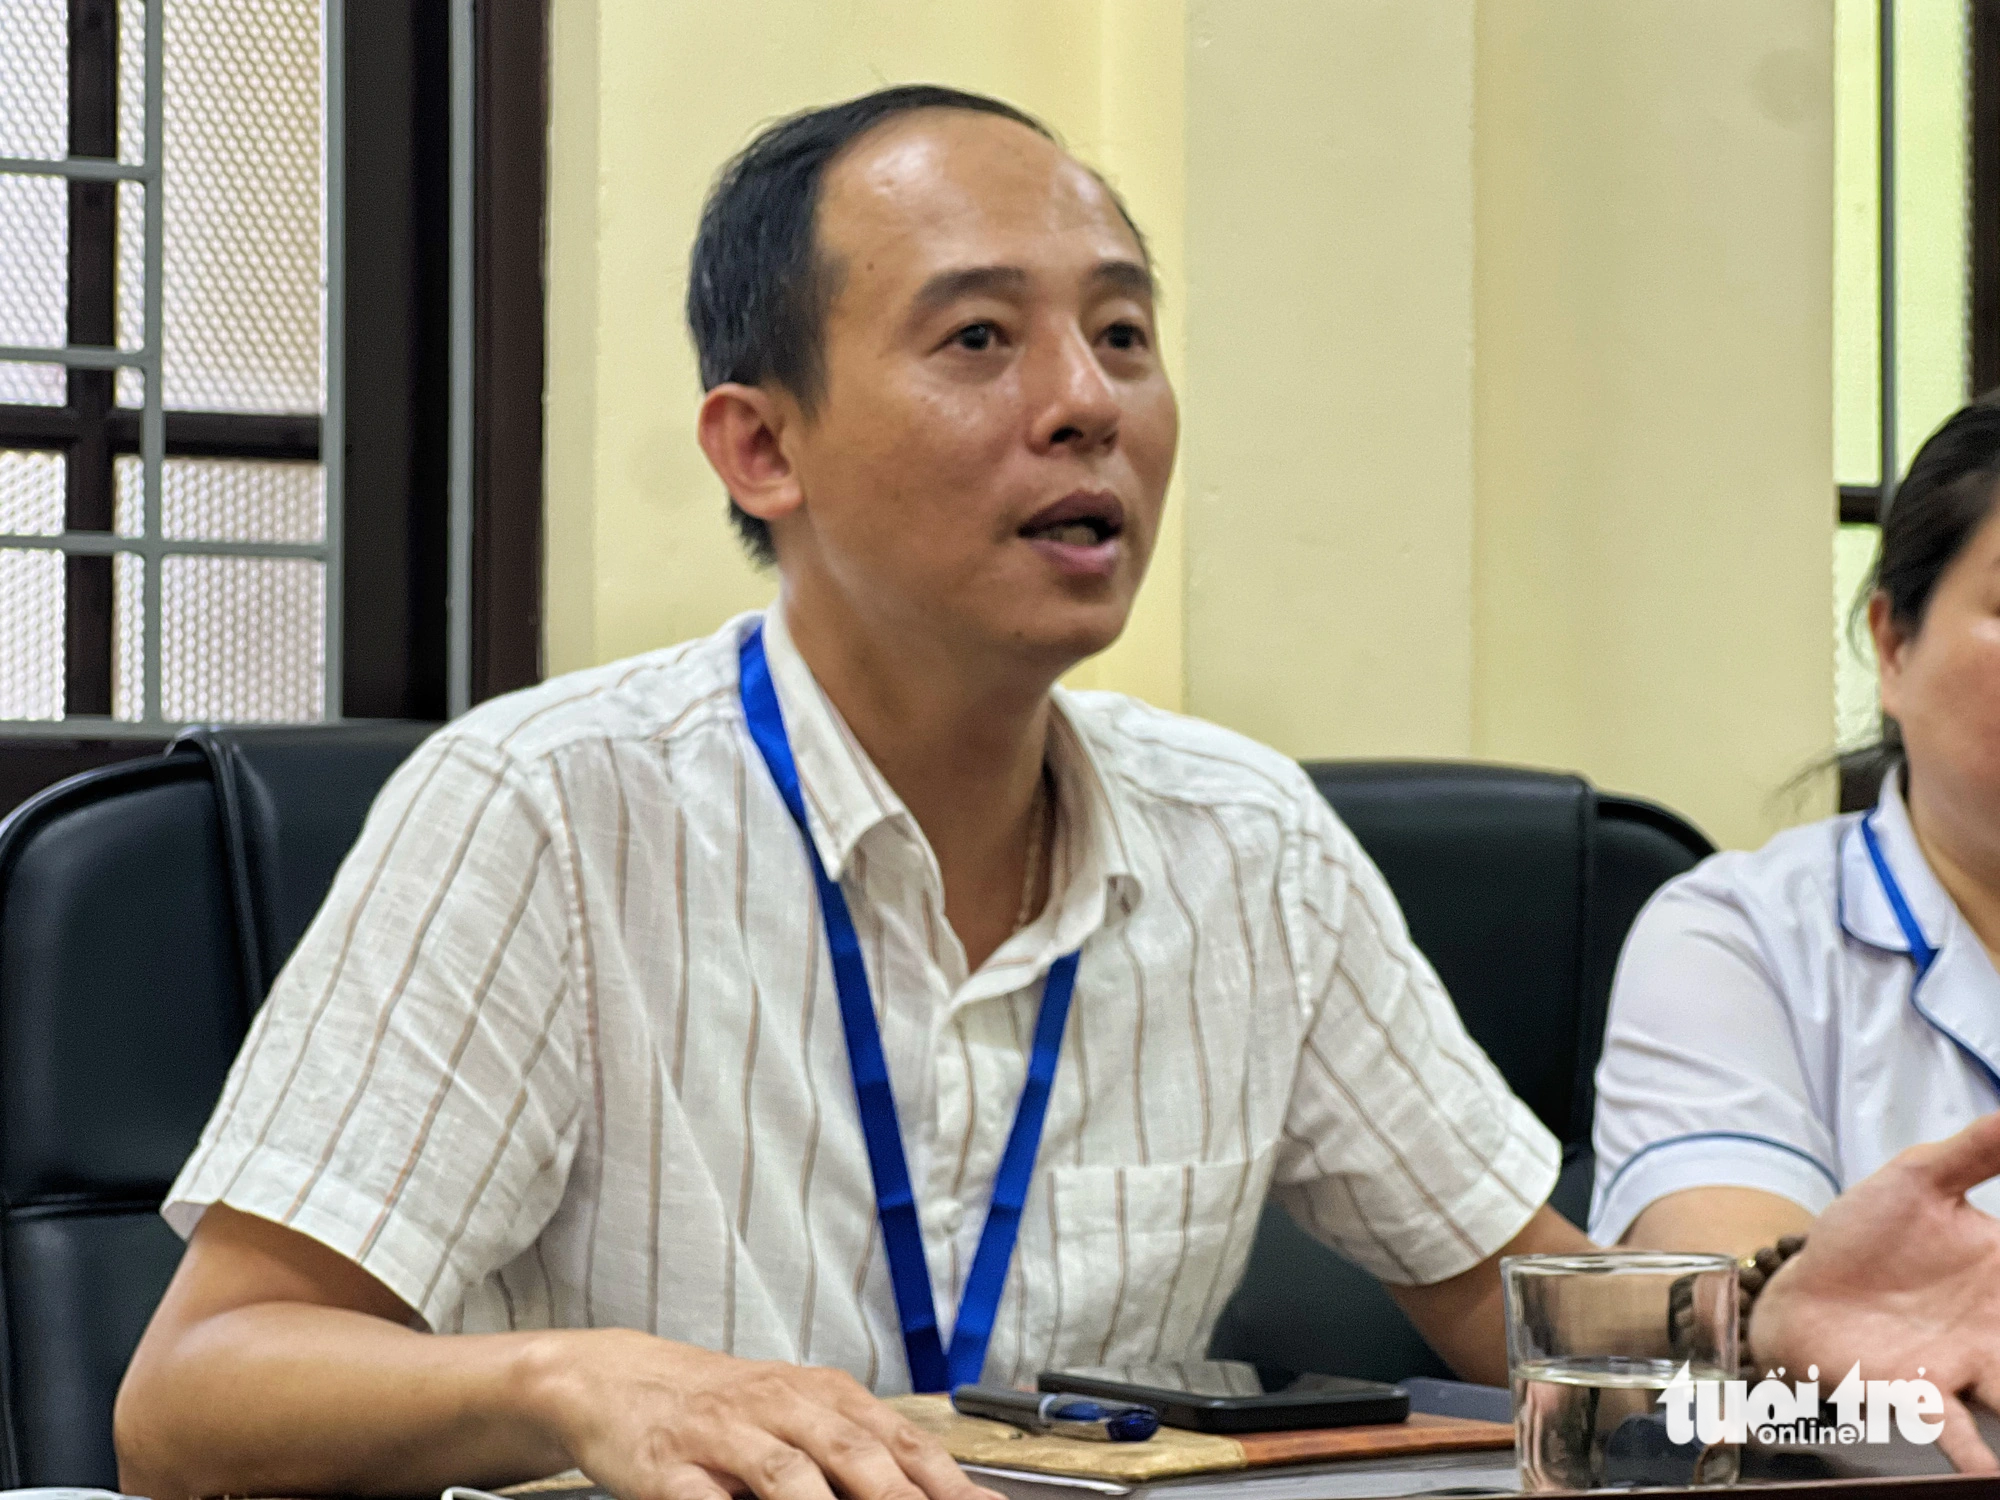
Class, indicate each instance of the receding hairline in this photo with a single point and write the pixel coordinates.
(831, 265)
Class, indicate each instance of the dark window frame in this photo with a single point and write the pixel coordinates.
(1983, 197)
(1861, 504)
(396, 359)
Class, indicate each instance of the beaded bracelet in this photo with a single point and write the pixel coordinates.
(1753, 1274)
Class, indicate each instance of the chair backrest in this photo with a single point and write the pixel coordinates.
(144, 909)
(1519, 887)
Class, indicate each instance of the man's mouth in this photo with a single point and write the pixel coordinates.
(1083, 519)
(1074, 533)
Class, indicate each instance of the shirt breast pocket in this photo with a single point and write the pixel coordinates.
(1145, 1257)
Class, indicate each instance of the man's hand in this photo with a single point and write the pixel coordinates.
(650, 1420)
(1901, 1274)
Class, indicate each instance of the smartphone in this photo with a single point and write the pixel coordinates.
(1224, 1395)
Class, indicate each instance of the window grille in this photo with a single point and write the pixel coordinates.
(169, 305)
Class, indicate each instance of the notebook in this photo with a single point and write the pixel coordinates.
(1172, 1452)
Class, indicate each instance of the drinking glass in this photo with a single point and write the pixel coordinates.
(1592, 1342)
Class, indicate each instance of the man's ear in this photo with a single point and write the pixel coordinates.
(1890, 642)
(741, 429)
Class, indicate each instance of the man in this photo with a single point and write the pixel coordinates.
(545, 1149)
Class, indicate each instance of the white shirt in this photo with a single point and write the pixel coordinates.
(1768, 1030)
(563, 1047)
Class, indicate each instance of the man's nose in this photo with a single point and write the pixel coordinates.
(1077, 404)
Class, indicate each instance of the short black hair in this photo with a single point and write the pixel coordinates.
(758, 290)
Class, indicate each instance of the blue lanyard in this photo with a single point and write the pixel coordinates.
(1920, 949)
(895, 1202)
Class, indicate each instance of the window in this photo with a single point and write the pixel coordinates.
(1911, 81)
(165, 555)
(245, 248)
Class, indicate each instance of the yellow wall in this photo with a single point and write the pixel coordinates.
(1654, 422)
(1502, 333)
(1328, 420)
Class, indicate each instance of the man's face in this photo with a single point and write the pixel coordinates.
(991, 450)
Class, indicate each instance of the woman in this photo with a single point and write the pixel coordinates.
(1784, 1022)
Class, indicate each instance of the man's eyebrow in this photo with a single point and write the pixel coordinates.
(947, 287)
(1126, 276)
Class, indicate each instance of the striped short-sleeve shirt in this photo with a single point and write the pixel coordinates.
(563, 1049)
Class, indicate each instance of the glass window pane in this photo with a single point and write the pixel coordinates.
(31, 493)
(242, 638)
(1856, 708)
(34, 78)
(128, 625)
(226, 500)
(34, 247)
(1931, 230)
(31, 634)
(243, 262)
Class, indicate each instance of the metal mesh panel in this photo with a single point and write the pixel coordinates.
(34, 245)
(225, 500)
(128, 494)
(31, 634)
(34, 285)
(128, 610)
(32, 385)
(131, 80)
(242, 638)
(243, 260)
(31, 493)
(34, 78)
(131, 297)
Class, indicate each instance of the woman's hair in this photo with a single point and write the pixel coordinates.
(1948, 494)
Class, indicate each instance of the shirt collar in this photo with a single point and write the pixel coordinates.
(845, 796)
(1100, 841)
(1113, 839)
(1865, 911)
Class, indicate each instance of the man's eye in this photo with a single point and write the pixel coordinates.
(1126, 336)
(977, 337)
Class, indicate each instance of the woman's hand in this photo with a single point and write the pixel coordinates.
(1902, 1275)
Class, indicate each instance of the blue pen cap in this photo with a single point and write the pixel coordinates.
(1133, 1426)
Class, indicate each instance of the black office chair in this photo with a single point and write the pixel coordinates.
(144, 910)
(1519, 886)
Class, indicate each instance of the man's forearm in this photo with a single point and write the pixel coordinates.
(288, 1398)
(1464, 1318)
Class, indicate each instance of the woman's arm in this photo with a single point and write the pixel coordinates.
(1726, 1220)
(1710, 1078)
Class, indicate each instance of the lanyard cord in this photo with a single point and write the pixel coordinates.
(895, 1200)
(1921, 950)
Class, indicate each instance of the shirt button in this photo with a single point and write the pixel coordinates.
(950, 1216)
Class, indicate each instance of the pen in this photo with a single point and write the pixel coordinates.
(1059, 1414)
